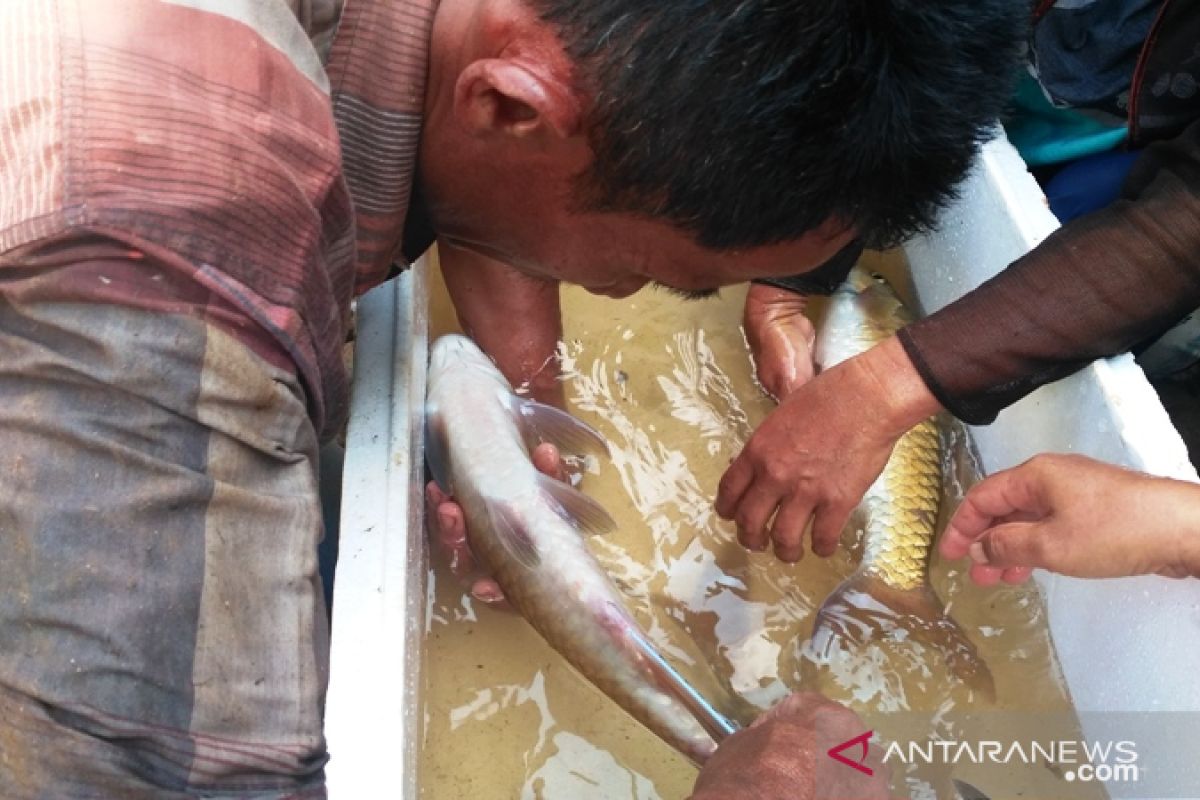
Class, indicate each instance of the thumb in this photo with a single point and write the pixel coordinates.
(1014, 544)
(548, 461)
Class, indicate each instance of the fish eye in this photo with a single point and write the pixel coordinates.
(875, 276)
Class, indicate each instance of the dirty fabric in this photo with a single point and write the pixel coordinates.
(162, 627)
(265, 154)
(191, 193)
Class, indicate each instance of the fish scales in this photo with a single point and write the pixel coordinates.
(889, 598)
(902, 508)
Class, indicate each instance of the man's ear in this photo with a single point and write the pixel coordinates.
(496, 95)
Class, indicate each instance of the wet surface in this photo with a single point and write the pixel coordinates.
(669, 383)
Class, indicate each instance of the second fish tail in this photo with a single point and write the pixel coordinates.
(864, 609)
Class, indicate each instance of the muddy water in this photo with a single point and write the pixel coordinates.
(670, 384)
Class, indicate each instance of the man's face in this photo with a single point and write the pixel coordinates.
(617, 254)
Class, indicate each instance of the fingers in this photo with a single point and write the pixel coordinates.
(548, 461)
(434, 496)
(787, 532)
(753, 512)
(1009, 552)
(827, 528)
(743, 498)
(987, 573)
(1012, 544)
(733, 485)
(984, 575)
(997, 525)
(450, 533)
(783, 358)
(999, 496)
(1016, 575)
(487, 591)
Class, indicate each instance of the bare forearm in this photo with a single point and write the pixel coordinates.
(516, 319)
(891, 381)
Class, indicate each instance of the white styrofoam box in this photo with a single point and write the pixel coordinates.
(1130, 644)
(372, 712)
(1125, 645)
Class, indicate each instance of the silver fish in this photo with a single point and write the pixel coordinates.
(527, 531)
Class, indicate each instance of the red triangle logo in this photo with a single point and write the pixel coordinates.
(861, 740)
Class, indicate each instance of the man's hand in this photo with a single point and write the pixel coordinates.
(448, 527)
(781, 338)
(816, 455)
(783, 755)
(1079, 517)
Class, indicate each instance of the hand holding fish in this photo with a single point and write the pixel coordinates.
(782, 756)
(528, 529)
(818, 452)
(450, 528)
(781, 338)
(1076, 516)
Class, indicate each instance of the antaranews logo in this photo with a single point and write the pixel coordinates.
(1078, 760)
(862, 741)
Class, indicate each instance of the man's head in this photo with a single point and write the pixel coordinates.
(583, 138)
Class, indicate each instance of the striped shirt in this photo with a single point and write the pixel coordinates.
(253, 158)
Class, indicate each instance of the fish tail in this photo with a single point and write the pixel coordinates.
(864, 610)
(668, 679)
(714, 722)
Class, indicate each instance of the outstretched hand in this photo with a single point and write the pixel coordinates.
(448, 526)
(1076, 516)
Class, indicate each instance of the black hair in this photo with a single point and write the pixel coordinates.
(752, 122)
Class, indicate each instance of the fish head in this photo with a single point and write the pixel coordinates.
(864, 311)
(462, 382)
(874, 297)
(455, 353)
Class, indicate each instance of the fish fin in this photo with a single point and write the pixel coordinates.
(588, 516)
(511, 531)
(716, 724)
(542, 423)
(437, 448)
(864, 611)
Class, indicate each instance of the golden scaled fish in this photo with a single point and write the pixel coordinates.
(888, 603)
(527, 530)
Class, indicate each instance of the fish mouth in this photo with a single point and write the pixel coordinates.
(860, 280)
(453, 348)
